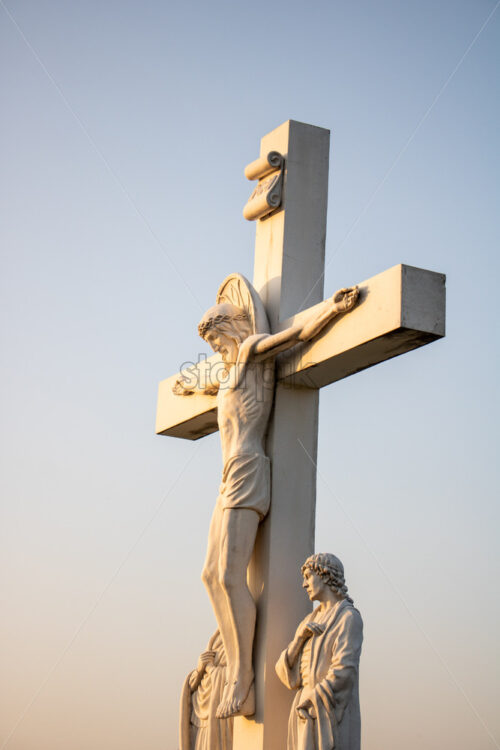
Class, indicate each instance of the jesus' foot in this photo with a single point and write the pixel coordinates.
(238, 699)
(345, 299)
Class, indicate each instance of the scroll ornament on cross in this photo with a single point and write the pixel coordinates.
(268, 193)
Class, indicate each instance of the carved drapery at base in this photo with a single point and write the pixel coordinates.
(201, 694)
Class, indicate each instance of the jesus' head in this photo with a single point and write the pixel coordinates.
(224, 327)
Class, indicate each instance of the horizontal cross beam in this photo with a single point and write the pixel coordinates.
(400, 309)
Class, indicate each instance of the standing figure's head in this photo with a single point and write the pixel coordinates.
(324, 570)
(224, 327)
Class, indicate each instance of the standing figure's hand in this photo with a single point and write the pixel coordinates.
(206, 658)
(305, 709)
(310, 629)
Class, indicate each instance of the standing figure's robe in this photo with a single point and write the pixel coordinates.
(328, 665)
(199, 729)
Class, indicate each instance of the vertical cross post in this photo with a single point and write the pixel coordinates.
(289, 263)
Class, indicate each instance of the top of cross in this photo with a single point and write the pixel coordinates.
(399, 310)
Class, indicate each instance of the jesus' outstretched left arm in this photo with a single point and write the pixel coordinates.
(341, 302)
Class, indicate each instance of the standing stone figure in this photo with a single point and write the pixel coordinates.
(202, 691)
(237, 327)
(322, 663)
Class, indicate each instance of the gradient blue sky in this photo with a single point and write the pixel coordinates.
(125, 128)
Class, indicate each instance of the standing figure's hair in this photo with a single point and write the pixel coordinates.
(329, 568)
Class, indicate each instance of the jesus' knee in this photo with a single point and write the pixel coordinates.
(232, 580)
(209, 577)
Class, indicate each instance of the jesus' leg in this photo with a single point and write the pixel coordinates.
(216, 593)
(238, 532)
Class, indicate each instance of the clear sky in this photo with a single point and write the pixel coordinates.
(124, 132)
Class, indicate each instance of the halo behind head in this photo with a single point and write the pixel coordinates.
(237, 290)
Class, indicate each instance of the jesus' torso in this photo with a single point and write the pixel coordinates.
(244, 403)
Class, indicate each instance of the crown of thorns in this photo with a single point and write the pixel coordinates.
(214, 321)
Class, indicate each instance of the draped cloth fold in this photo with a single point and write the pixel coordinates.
(199, 729)
(326, 672)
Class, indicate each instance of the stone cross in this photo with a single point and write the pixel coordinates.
(398, 310)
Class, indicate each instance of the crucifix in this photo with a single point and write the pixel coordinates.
(293, 352)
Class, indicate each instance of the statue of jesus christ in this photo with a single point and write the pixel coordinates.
(244, 402)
